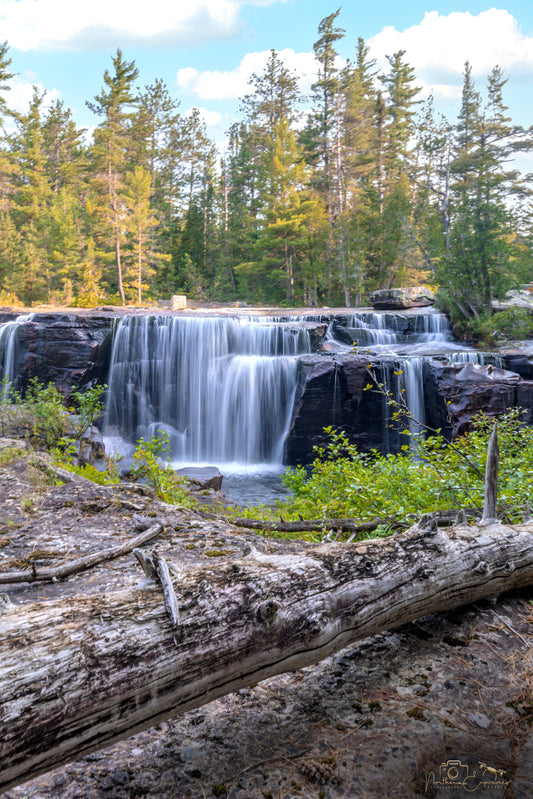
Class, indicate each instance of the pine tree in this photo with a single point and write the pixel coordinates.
(396, 247)
(33, 277)
(140, 222)
(112, 139)
(322, 138)
(480, 262)
(9, 240)
(357, 168)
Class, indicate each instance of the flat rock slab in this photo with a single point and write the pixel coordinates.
(202, 477)
(396, 299)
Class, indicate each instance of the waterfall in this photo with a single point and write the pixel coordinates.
(431, 328)
(413, 382)
(222, 388)
(8, 335)
(481, 358)
(373, 328)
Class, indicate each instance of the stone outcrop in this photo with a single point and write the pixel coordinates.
(63, 348)
(515, 298)
(519, 362)
(201, 478)
(467, 389)
(396, 299)
(331, 391)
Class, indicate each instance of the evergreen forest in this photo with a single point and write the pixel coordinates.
(316, 200)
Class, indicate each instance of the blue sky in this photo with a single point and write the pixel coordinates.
(205, 50)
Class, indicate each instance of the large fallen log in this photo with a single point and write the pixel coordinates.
(78, 674)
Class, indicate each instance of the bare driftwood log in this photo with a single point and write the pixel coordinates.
(443, 518)
(155, 568)
(307, 525)
(490, 499)
(33, 575)
(78, 674)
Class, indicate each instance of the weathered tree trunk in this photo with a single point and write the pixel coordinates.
(77, 674)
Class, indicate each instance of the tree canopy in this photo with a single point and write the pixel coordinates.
(312, 200)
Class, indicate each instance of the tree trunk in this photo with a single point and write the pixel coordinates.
(79, 673)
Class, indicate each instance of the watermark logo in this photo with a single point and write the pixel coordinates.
(455, 774)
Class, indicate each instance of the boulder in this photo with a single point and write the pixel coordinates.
(515, 298)
(396, 299)
(178, 302)
(330, 392)
(467, 389)
(202, 477)
(519, 362)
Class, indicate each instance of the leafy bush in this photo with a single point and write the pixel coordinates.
(432, 476)
(89, 407)
(490, 329)
(148, 466)
(513, 323)
(107, 477)
(40, 416)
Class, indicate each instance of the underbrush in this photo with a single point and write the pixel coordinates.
(149, 467)
(430, 474)
(41, 418)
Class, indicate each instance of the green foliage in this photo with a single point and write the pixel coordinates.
(89, 407)
(45, 413)
(9, 454)
(148, 467)
(107, 477)
(513, 323)
(434, 476)
(364, 189)
(42, 419)
(489, 330)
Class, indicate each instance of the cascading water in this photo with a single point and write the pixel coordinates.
(222, 388)
(373, 328)
(405, 343)
(8, 337)
(413, 382)
(480, 358)
(431, 328)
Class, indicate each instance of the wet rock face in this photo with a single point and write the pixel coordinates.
(331, 393)
(60, 348)
(519, 362)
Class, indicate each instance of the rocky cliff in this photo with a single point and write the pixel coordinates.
(67, 349)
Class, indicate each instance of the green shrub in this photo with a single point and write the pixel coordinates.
(429, 475)
(40, 416)
(107, 477)
(89, 406)
(148, 466)
(513, 323)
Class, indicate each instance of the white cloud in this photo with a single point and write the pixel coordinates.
(439, 46)
(21, 94)
(100, 24)
(232, 85)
